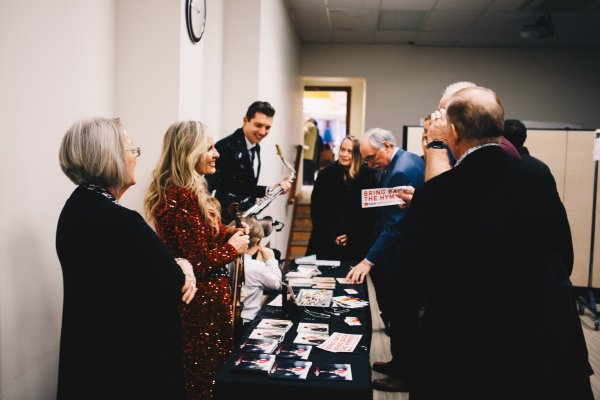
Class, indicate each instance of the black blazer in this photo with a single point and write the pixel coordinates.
(235, 180)
(490, 247)
(121, 335)
(335, 209)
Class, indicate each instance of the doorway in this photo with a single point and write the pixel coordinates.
(327, 108)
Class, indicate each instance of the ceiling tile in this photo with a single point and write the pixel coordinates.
(506, 5)
(394, 36)
(503, 39)
(407, 4)
(462, 5)
(315, 36)
(352, 37)
(437, 38)
(356, 19)
(306, 4)
(400, 20)
(310, 18)
(506, 22)
(346, 4)
(450, 21)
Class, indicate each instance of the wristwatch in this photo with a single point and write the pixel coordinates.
(436, 144)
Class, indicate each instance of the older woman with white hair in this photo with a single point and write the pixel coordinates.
(120, 332)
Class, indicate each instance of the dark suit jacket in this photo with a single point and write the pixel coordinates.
(489, 245)
(121, 335)
(234, 180)
(404, 169)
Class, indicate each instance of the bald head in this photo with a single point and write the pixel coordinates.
(477, 114)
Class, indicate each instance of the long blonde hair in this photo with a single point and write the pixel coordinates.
(352, 171)
(184, 144)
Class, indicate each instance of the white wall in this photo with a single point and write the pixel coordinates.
(404, 83)
(261, 62)
(132, 59)
(58, 65)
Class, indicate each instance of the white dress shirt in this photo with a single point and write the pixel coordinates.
(258, 275)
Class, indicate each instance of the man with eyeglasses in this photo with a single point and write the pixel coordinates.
(400, 168)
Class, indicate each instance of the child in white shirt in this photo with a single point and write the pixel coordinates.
(258, 275)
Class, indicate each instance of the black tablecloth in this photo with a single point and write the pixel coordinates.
(234, 385)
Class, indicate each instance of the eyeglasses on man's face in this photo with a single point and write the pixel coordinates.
(371, 157)
(136, 151)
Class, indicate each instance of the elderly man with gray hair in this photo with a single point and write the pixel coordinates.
(401, 168)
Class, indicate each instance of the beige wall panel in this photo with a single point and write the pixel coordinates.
(550, 146)
(414, 139)
(579, 178)
(596, 271)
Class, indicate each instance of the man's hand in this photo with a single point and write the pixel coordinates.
(359, 272)
(285, 184)
(439, 129)
(406, 194)
(341, 240)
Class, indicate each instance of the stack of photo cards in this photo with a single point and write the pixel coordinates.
(275, 334)
(293, 351)
(313, 327)
(301, 282)
(324, 279)
(248, 362)
(310, 338)
(266, 323)
(333, 372)
(324, 283)
(290, 369)
(344, 281)
(260, 346)
(271, 329)
(306, 260)
(299, 274)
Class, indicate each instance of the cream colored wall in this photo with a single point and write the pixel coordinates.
(404, 83)
(133, 59)
(58, 65)
(261, 62)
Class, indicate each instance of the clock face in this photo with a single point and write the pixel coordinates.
(196, 18)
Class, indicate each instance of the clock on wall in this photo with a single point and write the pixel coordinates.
(195, 16)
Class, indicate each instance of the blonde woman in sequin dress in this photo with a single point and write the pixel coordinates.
(188, 221)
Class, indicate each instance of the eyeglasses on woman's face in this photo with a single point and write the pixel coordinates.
(136, 151)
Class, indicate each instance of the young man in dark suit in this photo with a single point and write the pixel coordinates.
(239, 164)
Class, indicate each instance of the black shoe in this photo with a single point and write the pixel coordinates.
(390, 385)
(387, 368)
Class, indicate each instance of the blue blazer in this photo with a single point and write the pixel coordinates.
(405, 169)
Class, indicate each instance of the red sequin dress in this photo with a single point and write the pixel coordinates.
(206, 321)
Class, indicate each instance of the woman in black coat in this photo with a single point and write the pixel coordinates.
(122, 288)
(341, 229)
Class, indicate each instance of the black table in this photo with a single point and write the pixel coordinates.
(239, 385)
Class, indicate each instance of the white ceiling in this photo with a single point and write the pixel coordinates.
(485, 23)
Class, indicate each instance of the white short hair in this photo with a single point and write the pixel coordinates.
(93, 152)
(377, 136)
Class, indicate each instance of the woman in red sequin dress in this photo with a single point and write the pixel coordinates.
(188, 221)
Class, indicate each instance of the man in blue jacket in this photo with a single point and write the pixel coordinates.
(401, 168)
